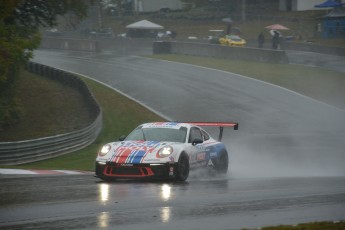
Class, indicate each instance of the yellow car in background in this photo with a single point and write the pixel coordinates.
(232, 40)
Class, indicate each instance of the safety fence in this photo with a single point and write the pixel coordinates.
(19, 152)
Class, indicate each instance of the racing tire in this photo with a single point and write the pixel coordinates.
(221, 164)
(182, 168)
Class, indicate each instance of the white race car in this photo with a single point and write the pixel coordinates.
(164, 150)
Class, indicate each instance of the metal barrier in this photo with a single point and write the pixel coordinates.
(218, 51)
(19, 152)
(332, 50)
(69, 44)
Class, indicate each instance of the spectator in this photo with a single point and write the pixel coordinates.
(275, 40)
(228, 28)
(261, 40)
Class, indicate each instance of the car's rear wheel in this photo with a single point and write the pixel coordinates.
(221, 163)
(182, 169)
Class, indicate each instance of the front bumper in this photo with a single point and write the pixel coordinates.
(114, 170)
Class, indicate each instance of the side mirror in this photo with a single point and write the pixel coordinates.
(123, 137)
(197, 141)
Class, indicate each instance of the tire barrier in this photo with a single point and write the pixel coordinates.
(19, 152)
(219, 51)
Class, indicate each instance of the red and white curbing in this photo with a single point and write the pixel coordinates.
(41, 172)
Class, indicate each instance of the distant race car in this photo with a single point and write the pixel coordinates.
(232, 40)
(164, 150)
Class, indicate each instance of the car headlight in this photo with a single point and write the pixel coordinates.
(104, 150)
(165, 151)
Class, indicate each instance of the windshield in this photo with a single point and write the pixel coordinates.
(158, 134)
(235, 38)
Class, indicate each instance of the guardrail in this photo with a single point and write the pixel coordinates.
(19, 152)
(69, 44)
(338, 51)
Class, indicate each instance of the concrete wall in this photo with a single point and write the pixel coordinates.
(218, 51)
(69, 44)
(339, 51)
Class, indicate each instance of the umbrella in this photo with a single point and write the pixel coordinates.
(227, 20)
(276, 27)
(272, 32)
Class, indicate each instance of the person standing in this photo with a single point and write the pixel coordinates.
(275, 40)
(261, 40)
(229, 28)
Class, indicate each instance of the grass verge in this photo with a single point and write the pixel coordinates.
(339, 225)
(120, 116)
(44, 103)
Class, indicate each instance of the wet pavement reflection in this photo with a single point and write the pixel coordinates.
(103, 220)
(84, 202)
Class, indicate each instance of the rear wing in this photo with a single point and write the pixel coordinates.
(221, 126)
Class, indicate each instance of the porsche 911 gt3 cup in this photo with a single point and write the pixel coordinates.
(164, 150)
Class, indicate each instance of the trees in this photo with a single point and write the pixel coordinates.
(20, 21)
(229, 6)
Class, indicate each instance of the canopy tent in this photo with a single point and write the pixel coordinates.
(276, 27)
(227, 20)
(143, 28)
(334, 23)
(145, 25)
(329, 3)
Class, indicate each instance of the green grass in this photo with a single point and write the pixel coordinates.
(120, 116)
(340, 225)
(44, 103)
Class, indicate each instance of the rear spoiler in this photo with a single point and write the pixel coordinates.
(221, 126)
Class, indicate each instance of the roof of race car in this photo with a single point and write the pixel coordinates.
(171, 125)
(177, 125)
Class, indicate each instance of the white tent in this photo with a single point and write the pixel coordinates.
(145, 25)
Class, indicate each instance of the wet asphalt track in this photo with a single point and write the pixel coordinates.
(287, 162)
(82, 202)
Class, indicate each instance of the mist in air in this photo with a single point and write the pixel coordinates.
(306, 148)
(306, 139)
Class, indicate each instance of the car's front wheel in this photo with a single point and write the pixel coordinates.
(182, 169)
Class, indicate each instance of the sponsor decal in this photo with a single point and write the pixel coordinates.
(171, 125)
(152, 160)
(152, 144)
(200, 147)
(126, 165)
(213, 154)
(200, 156)
(171, 158)
(133, 152)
